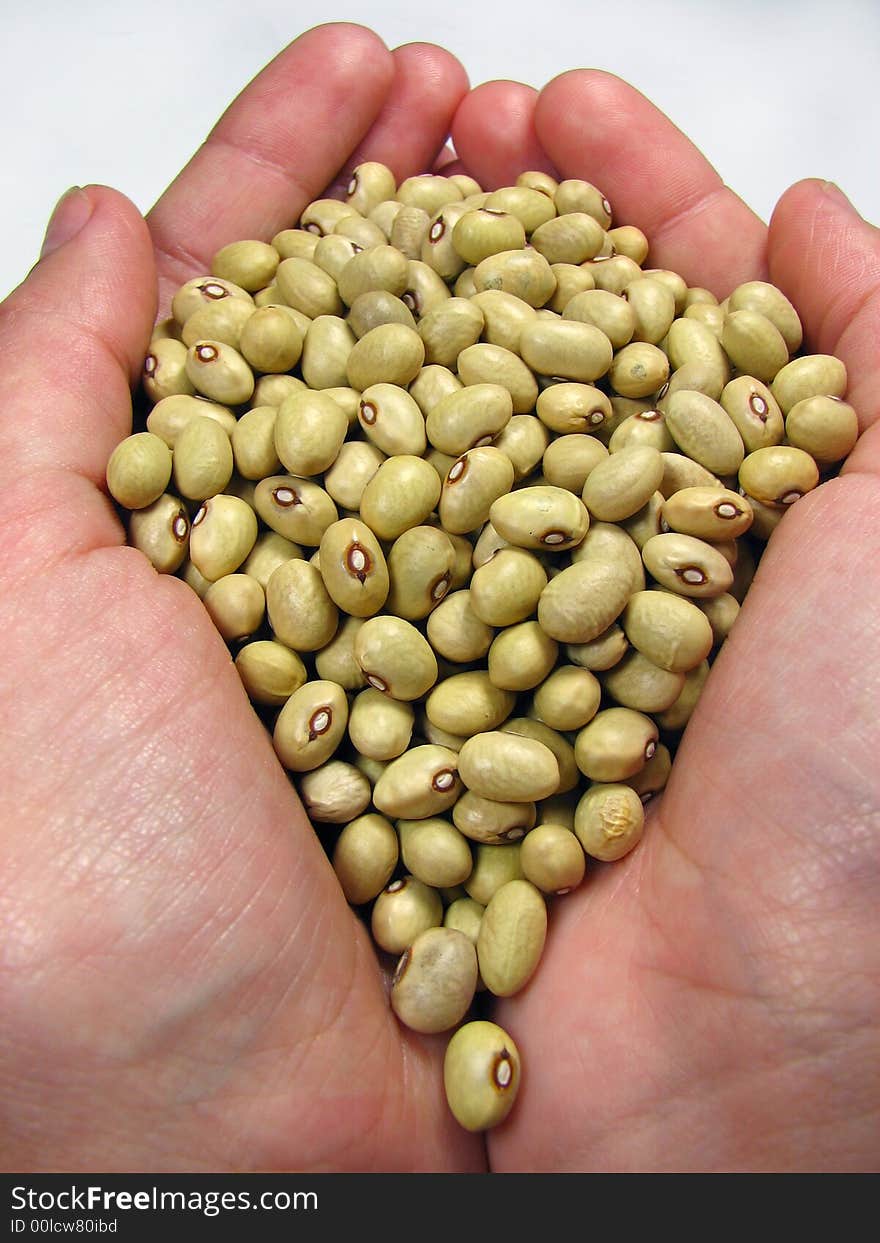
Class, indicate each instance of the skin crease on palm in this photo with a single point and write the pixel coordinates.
(182, 985)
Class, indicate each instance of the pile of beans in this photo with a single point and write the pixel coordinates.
(474, 497)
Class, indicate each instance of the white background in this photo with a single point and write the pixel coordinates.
(121, 92)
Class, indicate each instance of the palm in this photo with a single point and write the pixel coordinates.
(175, 924)
(710, 1002)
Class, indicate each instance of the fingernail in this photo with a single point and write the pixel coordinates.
(71, 212)
(833, 191)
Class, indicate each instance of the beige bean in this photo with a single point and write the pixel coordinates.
(299, 608)
(392, 420)
(524, 440)
(541, 517)
(825, 427)
(326, 350)
(353, 568)
(296, 508)
(638, 370)
(335, 793)
(306, 287)
(431, 385)
(680, 471)
(269, 551)
(523, 273)
(464, 915)
(269, 672)
(508, 587)
(484, 363)
(409, 230)
(420, 567)
(236, 604)
(354, 467)
(755, 412)
(616, 744)
(309, 430)
(582, 601)
(402, 911)
(473, 482)
(139, 470)
(722, 611)
(380, 727)
(400, 495)
(567, 349)
(571, 237)
(295, 243)
(668, 629)
(609, 821)
(571, 280)
(687, 565)
(511, 937)
(391, 353)
(434, 851)
(492, 821)
(375, 307)
(538, 731)
(651, 779)
(568, 698)
(600, 653)
(253, 443)
(636, 682)
(754, 345)
(613, 273)
(645, 427)
(364, 857)
(494, 866)
(435, 981)
(708, 513)
(455, 632)
(223, 321)
(395, 658)
(481, 1075)
(422, 782)
(425, 289)
(336, 662)
(201, 291)
(161, 532)
(218, 371)
(448, 329)
(552, 858)
(778, 475)
(813, 375)
(270, 390)
(568, 460)
(679, 712)
(705, 432)
(223, 533)
(380, 267)
(608, 312)
(772, 303)
(621, 485)
(169, 417)
(504, 317)
(521, 656)
(531, 207)
(508, 767)
(569, 408)
(468, 703)
(310, 726)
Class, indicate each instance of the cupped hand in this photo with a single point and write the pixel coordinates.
(713, 1001)
(182, 985)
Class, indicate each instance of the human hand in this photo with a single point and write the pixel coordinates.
(182, 985)
(711, 1002)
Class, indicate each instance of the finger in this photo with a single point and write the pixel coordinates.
(429, 84)
(827, 260)
(494, 134)
(72, 339)
(276, 147)
(595, 126)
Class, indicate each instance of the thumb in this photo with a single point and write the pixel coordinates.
(73, 336)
